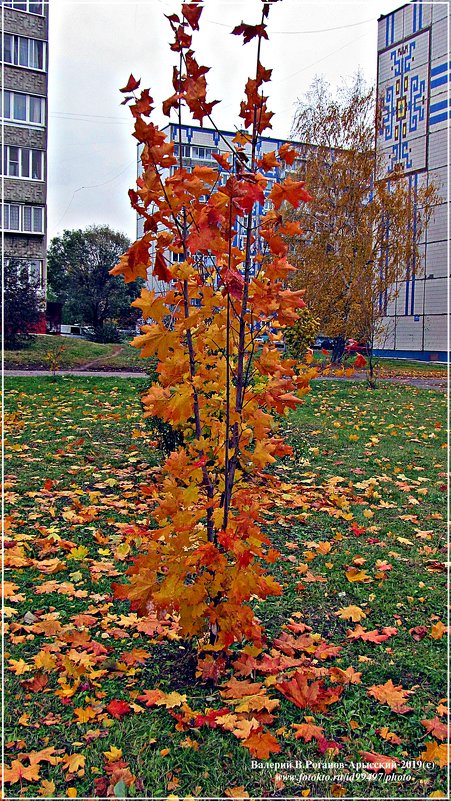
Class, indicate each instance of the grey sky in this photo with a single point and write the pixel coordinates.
(94, 46)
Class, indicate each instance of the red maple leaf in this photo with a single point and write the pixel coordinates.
(192, 12)
(160, 269)
(360, 361)
(118, 709)
(131, 85)
(250, 31)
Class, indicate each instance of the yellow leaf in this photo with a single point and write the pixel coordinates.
(47, 789)
(74, 762)
(353, 574)
(71, 792)
(438, 630)
(236, 792)
(78, 553)
(113, 754)
(19, 666)
(354, 613)
(84, 714)
(171, 700)
(436, 752)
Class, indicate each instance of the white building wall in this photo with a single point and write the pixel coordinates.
(414, 84)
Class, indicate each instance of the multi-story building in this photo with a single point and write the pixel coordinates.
(24, 113)
(413, 86)
(198, 145)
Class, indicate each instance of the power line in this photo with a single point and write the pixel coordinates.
(291, 33)
(92, 186)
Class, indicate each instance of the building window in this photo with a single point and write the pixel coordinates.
(18, 107)
(25, 5)
(202, 153)
(35, 268)
(186, 151)
(23, 162)
(23, 52)
(22, 219)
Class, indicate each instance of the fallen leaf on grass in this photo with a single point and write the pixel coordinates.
(392, 695)
(262, 744)
(74, 763)
(307, 731)
(436, 752)
(236, 792)
(388, 735)
(436, 727)
(379, 762)
(305, 695)
(353, 574)
(18, 771)
(353, 613)
(118, 709)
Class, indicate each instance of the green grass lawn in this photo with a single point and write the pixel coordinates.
(79, 352)
(76, 353)
(365, 490)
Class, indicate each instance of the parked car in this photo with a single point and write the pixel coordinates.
(323, 343)
(354, 346)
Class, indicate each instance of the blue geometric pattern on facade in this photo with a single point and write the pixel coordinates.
(417, 15)
(404, 105)
(439, 112)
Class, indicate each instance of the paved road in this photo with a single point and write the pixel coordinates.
(422, 383)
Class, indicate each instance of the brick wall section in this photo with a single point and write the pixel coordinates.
(31, 25)
(20, 190)
(22, 136)
(33, 82)
(24, 246)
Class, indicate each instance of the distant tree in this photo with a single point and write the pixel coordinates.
(358, 233)
(78, 273)
(21, 302)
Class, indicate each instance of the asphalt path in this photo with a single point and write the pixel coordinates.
(439, 384)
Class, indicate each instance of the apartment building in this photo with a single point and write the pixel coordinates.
(24, 113)
(414, 73)
(198, 145)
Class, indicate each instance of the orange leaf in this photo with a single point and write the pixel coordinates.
(18, 771)
(436, 728)
(288, 153)
(74, 763)
(436, 753)
(313, 696)
(379, 762)
(392, 695)
(262, 744)
(222, 159)
(160, 269)
(291, 191)
(354, 574)
(308, 731)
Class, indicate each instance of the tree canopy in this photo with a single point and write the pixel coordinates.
(21, 302)
(79, 264)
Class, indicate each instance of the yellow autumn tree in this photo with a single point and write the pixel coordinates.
(361, 232)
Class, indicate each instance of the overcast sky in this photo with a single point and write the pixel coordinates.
(94, 46)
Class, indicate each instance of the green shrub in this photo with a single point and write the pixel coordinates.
(106, 333)
(301, 336)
